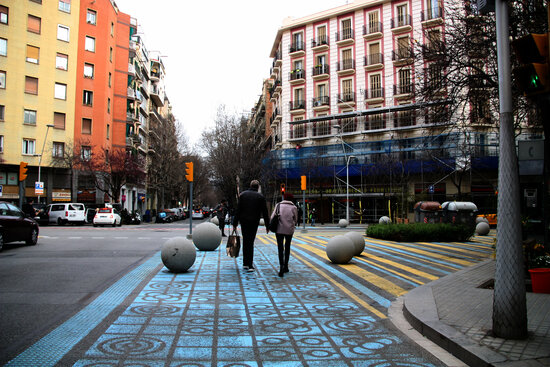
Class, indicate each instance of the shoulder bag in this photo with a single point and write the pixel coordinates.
(274, 223)
(233, 244)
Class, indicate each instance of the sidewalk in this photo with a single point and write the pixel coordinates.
(455, 313)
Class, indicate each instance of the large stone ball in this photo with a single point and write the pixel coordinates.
(262, 222)
(340, 249)
(384, 220)
(482, 228)
(178, 254)
(481, 219)
(342, 223)
(215, 221)
(358, 242)
(207, 236)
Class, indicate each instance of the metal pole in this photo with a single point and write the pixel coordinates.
(347, 189)
(41, 154)
(509, 301)
(190, 235)
(304, 211)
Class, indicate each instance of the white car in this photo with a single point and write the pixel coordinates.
(66, 213)
(107, 216)
(197, 214)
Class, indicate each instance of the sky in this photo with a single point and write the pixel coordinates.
(214, 52)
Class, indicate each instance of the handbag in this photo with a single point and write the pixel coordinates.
(274, 223)
(233, 244)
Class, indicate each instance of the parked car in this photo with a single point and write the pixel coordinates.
(107, 216)
(16, 226)
(197, 214)
(179, 214)
(66, 213)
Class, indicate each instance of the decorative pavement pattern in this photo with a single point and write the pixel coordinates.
(319, 314)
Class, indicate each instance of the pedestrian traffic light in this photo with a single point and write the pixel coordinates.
(283, 188)
(189, 171)
(531, 76)
(23, 171)
(303, 183)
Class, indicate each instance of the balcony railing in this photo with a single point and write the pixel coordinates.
(405, 20)
(402, 53)
(320, 69)
(432, 13)
(297, 105)
(296, 46)
(346, 97)
(276, 84)
(374, 59)
(274, 115)
(403, 89)
(404, 119)
(319, 41)
(346, 65)
(374, 93)
(296, 74)
(298, 131)
(374, 27)
(375, 122)
(320, 101)
(345, 34)
(321, 128)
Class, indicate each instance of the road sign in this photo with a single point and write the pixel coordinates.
(38, 188)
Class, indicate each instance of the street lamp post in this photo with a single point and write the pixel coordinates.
(41, 154)
(348, 158)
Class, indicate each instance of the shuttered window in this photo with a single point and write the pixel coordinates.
(33, 24)
(59, 120)
(31, 85)
(4, 12)
(32, 54)
(86, 126)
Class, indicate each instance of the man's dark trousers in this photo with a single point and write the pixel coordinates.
(249, 234)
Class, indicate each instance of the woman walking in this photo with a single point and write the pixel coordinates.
(288, 217)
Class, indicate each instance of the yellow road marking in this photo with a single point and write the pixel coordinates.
(462, 251)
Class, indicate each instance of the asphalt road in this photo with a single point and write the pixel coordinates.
(44, 285)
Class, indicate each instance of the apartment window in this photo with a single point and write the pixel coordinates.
(375, 86)
(4, 11)
(347, 32)
(374, 22)
(29, 117)
(435, 76)
(108, 105)
(2, 79)
(1, 143)
(347, 89)
(297, 42)
(404, 81)
(3, 47)
(299, 95)
(91, 16)
(88, 71)
(62, 33)
(61, 61)
(33, 24)
(31, 85)
(88, 98)
(2, 112)
(108, 131)
(60, 91)
(37, 1)
(58, 150)
(65, 6)
(32, 54)
(28, 146)
(112, 29)
(322, 35)
(109, 81)
(86, 126)
(375, 57)
(402, 15)
(86, 153)
(110, 54)
(89, 44)
(59, 120)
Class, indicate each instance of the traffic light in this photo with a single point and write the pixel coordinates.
(189, 171)
(283, 188)
(303, 183)
(531, 76)
(23, 171)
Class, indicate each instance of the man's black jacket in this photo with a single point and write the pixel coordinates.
(251, 207)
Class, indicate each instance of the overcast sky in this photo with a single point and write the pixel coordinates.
(216, 52)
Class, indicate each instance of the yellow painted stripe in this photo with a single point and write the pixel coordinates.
(413, 257)
(399, 266)
(371, 278)
(448, 247)
(425, 253)
(343, 289)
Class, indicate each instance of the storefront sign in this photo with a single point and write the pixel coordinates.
(61, 195)
(39, 188)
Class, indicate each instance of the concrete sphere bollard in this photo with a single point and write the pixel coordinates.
(178, 254)
(358, 242)
(207, 236)
(481, 219)
(262, 222)
(215, 221)
(384, 220)
(483, 228)
(342, 223)
(340, 249)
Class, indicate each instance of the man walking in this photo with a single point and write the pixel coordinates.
(221, 212)
(251, 207)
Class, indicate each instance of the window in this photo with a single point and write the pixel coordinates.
(374, 22)
(108, 131)
(4, 11)
(109, 81)
(347, 32)
(108, 105)
(28, 146)
(322, 35)
(435, 76)
(375, 57)
(65, 5)
(62, 33)
(404, 81)
(86, 153)
(91, 16)
(347, 89)
(112, 29)
(88, 71)
(110, 54)
(3, 47)
(86, 126)
(58, 150)
(31, 85)
(29, 117)
(89, 44)
(37, 1)
(402, 17)
(2, 112)
(375, 86)
(33, 24)
(1, 143)
(59, 120)
(60, 91)
(88, 98)
(32, 54)
(61, 61)
(2, 79)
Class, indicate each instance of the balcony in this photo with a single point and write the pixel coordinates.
(298, 131)
(375, 122)
(157, 95)
(132, 48)
(345, 37)
(297, 76)
(346, 99)
(402, 56)
(374, 95)
(320, 43)
(296, 49)
(403, 90)
(322, 129)
(275, 89)
(433, 52)
(372, 31)
(320, 72)
(374, 61)
(131, 93)
(432, 17)
(346, 67)
(275, 118)
(131, 69)
(401, 24)
(404, 119)
(321, 103)
(297, 106)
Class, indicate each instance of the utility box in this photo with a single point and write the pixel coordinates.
(428, 212)
(460, 212)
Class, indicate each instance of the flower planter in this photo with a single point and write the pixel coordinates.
(540, 280)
